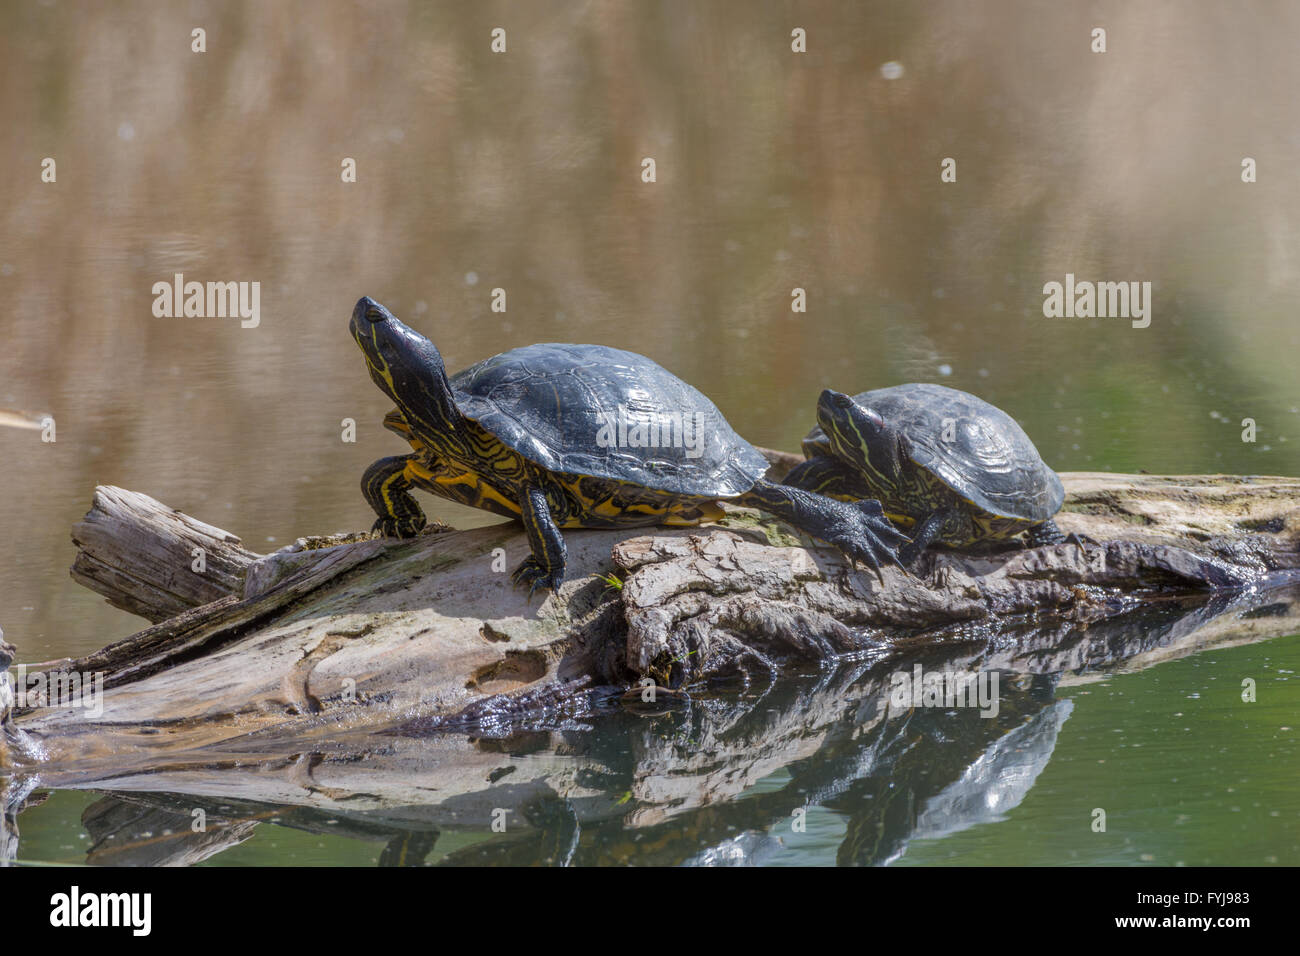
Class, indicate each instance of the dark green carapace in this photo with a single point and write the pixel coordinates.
(574, 436)
(949, 465)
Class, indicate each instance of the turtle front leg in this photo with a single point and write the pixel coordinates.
(386, 485)
(545, 566)
(927, 533)
(858, 528)
(825, 475)
(1048, 533)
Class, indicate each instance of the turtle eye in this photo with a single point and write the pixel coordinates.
(842, 401)
(374, 315)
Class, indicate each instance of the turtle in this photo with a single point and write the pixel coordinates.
(947, 465)
(565, 436)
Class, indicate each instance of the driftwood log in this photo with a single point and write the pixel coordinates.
(671, 772)
(329, 638)
(389, 690)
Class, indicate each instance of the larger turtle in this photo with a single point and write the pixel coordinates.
(950, 466)
(574, 436)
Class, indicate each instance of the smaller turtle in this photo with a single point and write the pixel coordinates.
(942, 462)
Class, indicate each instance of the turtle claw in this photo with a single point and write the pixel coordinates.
(531, 572)
(866, 535)
(875, 568)
(1048, 533)
(405, 527)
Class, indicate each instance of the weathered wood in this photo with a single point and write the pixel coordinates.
(675, 773)
(141, 554)
(7, 729)
(16, 747)
(428, 633)
(724, 599)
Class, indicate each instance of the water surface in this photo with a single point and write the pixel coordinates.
(775, 171)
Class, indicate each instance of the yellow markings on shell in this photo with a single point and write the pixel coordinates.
(705, 511)
(670, 511)
(603, 509)
(482, 491)
(475, 484)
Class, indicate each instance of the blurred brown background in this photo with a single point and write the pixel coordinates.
(522, 171)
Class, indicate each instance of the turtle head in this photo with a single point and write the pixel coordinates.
(860, 437)
(407, 367)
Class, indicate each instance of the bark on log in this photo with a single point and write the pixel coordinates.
(327, 639)
(8, 730)
(674, 772)
(147, 566)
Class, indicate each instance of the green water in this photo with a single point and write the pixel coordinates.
(1186, 772)
(776, 171)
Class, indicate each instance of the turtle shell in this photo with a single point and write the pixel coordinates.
(990, 460)
(560, 405)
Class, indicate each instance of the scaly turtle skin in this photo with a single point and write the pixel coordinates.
(949, 465)
(534, 434)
